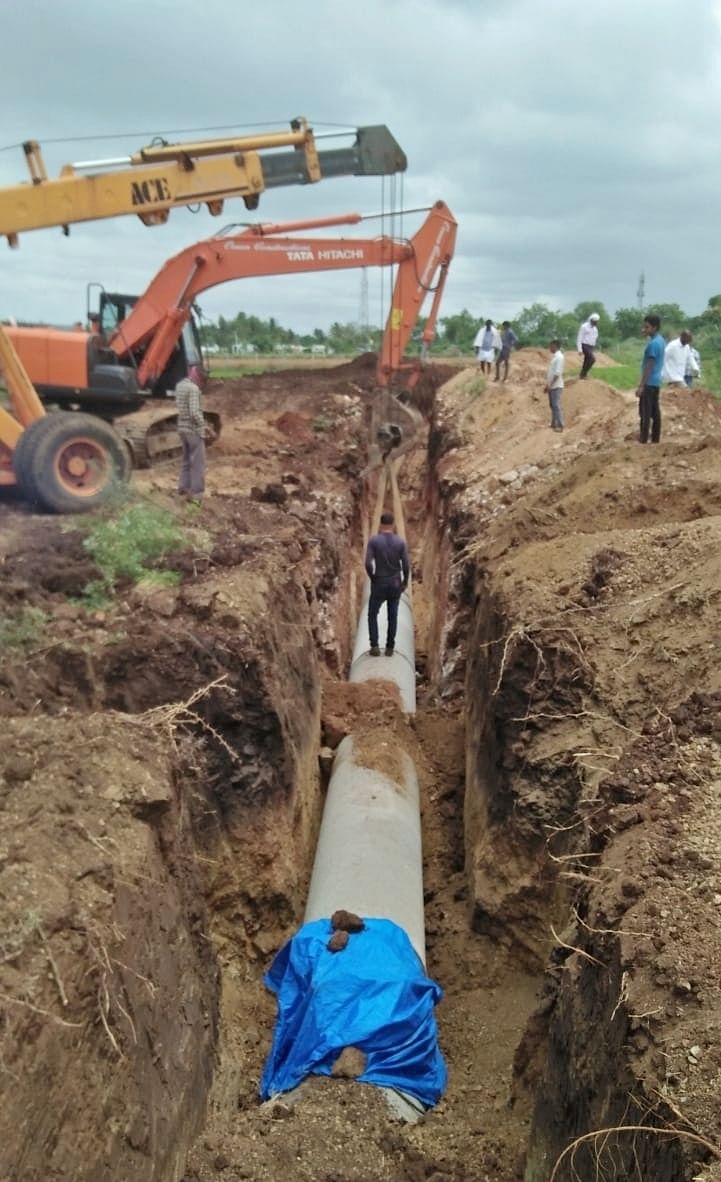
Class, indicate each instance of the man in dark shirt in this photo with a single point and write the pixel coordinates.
(509, 340)
(388, 568)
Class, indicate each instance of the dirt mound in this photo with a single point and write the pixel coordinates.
(38, 561)
(294, 425)
(349, 709)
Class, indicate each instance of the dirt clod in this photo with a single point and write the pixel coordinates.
(346, 921)
(350, 1063)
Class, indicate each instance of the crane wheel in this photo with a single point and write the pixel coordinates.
(24, 459)
(71, 462)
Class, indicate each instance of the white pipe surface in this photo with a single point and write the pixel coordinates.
(369, 856)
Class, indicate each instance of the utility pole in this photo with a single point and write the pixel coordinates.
(641, 292)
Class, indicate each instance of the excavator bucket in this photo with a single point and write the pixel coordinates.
(393, 428)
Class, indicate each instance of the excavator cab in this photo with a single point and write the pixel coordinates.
(150, 433)
(114, 308)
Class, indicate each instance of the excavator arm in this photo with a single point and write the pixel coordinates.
(153, 327)
(162, 176)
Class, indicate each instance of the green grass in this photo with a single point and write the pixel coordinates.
(711, 374)
(235, 371)
(621, 377)
(23, 629)
(626, 375)
(474, 387)
(154, 580)
(127, 544)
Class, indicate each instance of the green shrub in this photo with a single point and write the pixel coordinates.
(123, 546)
(24, 628)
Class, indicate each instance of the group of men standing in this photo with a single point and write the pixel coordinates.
(494, 348)
(675, 364)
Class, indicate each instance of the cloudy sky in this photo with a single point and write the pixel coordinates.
(577, 144)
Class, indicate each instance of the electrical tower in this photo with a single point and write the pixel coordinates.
(641, 292)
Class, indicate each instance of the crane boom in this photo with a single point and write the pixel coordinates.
(163, 176)
(155, 323)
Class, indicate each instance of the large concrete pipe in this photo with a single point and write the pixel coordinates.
(368, 862)
(369, 858)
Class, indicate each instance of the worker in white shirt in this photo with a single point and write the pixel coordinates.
(677, 360)
(586, 343)
(554, 384)
(487, 342)
(693, 369)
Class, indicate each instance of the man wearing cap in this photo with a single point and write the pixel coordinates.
(586, 343)
(388, 568)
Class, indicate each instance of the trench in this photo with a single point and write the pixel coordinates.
(219, 813)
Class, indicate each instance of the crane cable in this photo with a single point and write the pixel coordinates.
(393, 231)
(123, 135)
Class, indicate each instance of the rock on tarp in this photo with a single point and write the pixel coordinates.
(373, 995)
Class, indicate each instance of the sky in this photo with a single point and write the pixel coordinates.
(578, 145)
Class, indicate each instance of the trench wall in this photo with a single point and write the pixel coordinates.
(108, 985)
(550, 872)
(180, 769)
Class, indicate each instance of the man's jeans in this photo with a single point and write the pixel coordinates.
(192, 466)
(649, 411)
(554, 399)
(589, 360)
(391, 596)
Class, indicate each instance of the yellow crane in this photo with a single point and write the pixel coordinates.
(162, 176)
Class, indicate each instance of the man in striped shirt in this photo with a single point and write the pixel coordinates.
(191, 428)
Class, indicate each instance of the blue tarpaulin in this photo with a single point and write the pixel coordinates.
(373, 995)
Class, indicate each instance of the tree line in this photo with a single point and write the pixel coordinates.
(243, 333)
(534, 325)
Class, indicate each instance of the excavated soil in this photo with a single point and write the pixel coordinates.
(165, 758)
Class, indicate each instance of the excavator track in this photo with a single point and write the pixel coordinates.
(151, 437)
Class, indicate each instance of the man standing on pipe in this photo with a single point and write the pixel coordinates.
(388, 568)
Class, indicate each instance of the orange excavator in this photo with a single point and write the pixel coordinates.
(139, 347)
